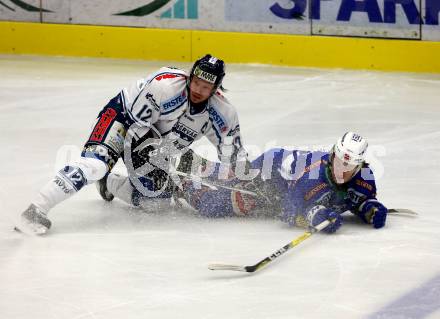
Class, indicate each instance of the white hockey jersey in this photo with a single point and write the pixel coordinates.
(162, 100)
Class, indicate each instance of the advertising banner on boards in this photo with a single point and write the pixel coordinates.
(404, 19)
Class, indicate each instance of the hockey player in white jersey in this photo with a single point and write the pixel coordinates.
(168, 106)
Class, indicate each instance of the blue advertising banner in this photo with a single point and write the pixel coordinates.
(368, 18)
(268, 11)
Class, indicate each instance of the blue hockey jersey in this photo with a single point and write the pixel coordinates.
(289, 183)
(302, 179)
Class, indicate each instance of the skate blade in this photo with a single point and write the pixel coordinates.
(30, 231)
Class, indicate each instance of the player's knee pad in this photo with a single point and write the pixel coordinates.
(102, 153)
(92, 168)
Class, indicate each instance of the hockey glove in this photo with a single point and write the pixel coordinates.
(317, 214)
(373, 212)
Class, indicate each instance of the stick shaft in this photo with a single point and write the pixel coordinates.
(274, 255)
(213, 186)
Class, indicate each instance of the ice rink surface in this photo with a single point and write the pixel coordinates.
(105, 260)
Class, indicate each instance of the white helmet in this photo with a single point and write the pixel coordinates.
(351, 149)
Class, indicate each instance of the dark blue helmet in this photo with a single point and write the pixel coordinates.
(209, 69)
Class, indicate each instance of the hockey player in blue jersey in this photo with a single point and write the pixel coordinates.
(303, 188)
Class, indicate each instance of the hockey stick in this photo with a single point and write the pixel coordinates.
(293, 243)
(213, 186)
(275, 255)
(403, 211)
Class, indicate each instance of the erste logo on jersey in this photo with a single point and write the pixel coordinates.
(217, 119)
(175, 101)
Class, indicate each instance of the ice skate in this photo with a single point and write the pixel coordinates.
(101, 185)
(34, 221)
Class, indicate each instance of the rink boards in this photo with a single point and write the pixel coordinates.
(236, 47)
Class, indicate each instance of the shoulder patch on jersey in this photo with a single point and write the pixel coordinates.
(168, 76)
(150, 98)
(217, 119)
(174, 102)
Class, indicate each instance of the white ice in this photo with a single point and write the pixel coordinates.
(104, 260)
